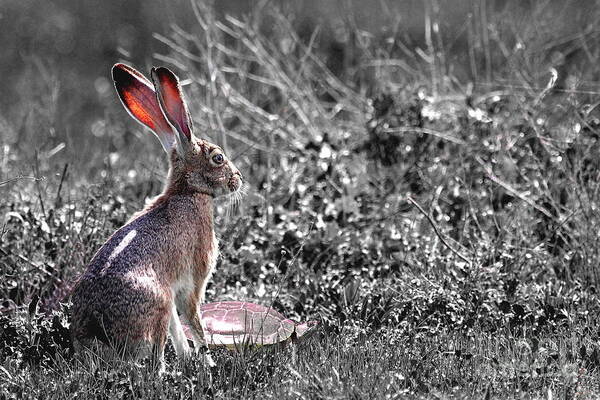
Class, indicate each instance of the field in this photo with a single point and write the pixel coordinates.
(429, 192)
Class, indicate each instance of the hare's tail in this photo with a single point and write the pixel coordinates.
(60, 294)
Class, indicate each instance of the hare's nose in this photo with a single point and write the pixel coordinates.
(238, 173)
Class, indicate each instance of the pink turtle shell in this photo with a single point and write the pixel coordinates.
(237, 323)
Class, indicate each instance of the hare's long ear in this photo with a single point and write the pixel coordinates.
(139, 99)
(173, 105)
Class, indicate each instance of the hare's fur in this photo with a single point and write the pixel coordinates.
(159, 263)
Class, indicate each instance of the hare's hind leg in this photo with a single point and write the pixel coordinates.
(158, 347)
(178, 337)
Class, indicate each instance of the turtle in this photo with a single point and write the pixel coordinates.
(236, 324)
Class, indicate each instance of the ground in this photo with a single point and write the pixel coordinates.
(433, 205)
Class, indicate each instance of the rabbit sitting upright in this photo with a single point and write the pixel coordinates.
(158, 264)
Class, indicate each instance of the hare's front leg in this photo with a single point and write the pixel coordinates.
(178, 337)
(192, 313)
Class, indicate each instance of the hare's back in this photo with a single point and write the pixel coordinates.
(142, 242)
(121, 294)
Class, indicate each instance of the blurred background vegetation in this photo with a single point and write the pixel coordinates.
(68, 47)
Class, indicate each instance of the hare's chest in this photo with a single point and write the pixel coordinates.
(204, 256)
(197, 270)
(212, 255)
(211, 261)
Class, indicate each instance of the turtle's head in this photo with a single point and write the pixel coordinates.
(306, 329)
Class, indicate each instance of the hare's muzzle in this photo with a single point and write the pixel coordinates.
(235, 182)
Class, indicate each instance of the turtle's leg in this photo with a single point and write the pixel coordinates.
(177, 334)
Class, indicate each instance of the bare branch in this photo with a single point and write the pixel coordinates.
(437, 231)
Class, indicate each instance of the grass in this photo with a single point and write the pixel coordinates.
(434, 206)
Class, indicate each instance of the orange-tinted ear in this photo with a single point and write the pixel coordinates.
(139, 99)
(171, 101)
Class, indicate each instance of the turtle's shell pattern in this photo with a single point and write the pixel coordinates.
(237, 323)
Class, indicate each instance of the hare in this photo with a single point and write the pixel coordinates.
(158, 264)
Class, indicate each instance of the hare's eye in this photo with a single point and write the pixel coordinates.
(218, 158)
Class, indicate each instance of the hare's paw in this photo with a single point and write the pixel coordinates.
(205, 352)
(182, 348)
(208, 360)
(162, 367)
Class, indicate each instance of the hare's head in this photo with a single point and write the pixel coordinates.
(197, 165)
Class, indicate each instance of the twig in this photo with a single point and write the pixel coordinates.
(37, 184)
(57, 200)
(426, 131)
(21, 257)
(11, 378)
(514, 192)
(549, 86)
(17, 178)
(292, 262)
(31, 263)
(437, 231)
